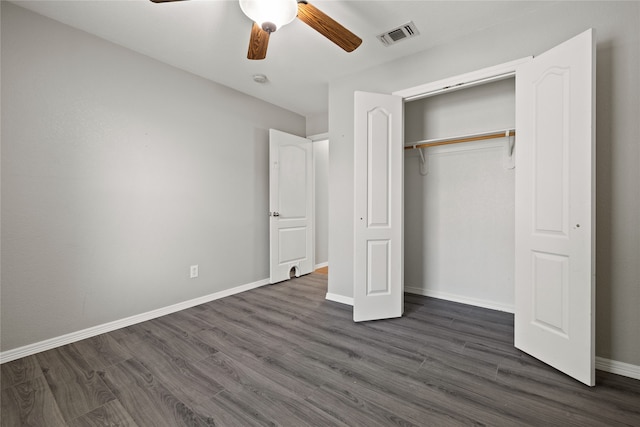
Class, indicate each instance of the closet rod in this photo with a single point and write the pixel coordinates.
(447, 141)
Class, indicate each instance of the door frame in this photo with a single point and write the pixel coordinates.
(300, 266)
(317, 138)
(459, 82)
(462, 81)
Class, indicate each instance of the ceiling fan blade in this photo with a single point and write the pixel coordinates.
(327, 26)
(164, 1)
(258, 43)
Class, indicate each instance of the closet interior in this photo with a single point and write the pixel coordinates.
(459, 195)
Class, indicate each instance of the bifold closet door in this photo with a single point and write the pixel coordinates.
(555, 221)
(378, 262)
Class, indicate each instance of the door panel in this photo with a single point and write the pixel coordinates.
(290, 205)
(550, 292)
(378, 264)
(551, 103)
(555, 221)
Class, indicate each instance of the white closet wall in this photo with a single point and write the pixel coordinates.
(459, 217)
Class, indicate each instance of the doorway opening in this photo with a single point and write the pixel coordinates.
(460, 195)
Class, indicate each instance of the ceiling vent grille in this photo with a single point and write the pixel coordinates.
(396, 35)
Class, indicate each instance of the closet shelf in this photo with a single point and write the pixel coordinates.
(459, 139)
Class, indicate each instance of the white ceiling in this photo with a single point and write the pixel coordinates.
(210, 38)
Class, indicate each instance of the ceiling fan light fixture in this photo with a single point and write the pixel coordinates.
(270, 14)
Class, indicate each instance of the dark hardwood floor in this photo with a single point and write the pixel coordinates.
(283, 355)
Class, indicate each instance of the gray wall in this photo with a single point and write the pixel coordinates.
(317, 124)
(118, 173)
(618, 149)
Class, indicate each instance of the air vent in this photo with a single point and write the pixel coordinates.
(403, 32)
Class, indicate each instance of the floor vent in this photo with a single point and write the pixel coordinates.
(403, 32)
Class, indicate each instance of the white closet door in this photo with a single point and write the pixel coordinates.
(555, 222)
(378, 261)
(291, 205)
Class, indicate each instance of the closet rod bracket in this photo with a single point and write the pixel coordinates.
(423, 161)
(511, 144)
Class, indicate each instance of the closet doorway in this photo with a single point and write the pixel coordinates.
(459, 183)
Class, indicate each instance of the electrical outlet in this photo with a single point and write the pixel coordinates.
(193, 271)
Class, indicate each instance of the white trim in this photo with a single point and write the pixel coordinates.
(619, 368)
(321, 265)
(30, 349)
(602, 364)
(459, 298)
(462, 81)
(339, 298)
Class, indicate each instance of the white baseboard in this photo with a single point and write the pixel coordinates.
(619, 368)
(441, 295)
(339, 298)
(322, 264)
(461, 299)
(607, 365)
(28, 350)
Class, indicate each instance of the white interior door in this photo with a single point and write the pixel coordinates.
(555, 221)
(290, 205)
(378, 264)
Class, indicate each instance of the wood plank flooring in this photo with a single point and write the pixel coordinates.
(283, 355)
(322, 270)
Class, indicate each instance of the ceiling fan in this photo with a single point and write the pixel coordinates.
(269, 15)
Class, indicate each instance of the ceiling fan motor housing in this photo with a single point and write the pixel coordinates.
(270, 14)
(269, 27)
